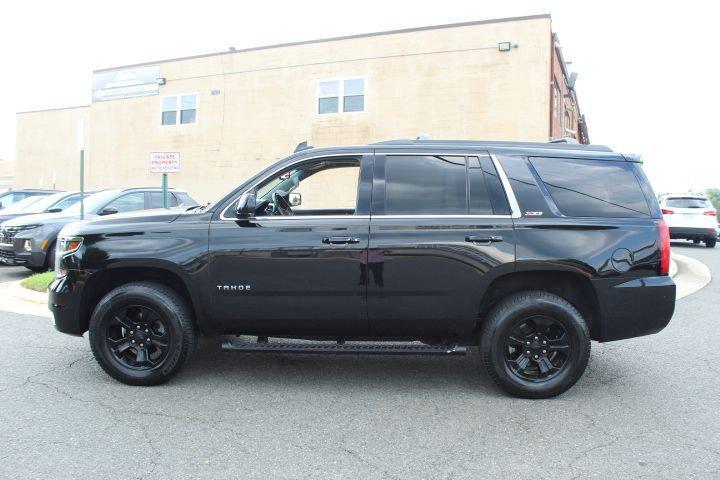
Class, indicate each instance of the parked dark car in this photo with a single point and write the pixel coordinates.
(9, 197)
(54, 203)
(527, 250)
(30, 240)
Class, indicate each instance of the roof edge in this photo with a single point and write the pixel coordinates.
(330, 39)
(52, 109)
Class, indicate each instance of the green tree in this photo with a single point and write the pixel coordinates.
(713, 195)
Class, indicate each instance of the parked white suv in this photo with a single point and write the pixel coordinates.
(690, 217)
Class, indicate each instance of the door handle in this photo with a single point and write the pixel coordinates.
(340, 240)
(488, 240)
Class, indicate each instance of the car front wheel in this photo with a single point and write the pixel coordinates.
(535, 344)
(710, 242)
(142, 333)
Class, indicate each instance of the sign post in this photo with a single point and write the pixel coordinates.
(164, 162)
(81, 148)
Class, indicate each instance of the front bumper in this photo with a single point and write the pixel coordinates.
(14, 254)
(638, 307)
(692, 232)
(64, 303)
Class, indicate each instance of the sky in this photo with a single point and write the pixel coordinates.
(648, 71)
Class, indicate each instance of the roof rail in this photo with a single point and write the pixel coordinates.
(564, 145)
(569, 141)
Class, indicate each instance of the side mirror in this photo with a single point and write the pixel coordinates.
(54, 210)
(295, 199)
(108, 211)
(245, 206)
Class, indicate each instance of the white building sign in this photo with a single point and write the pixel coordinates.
(125, 83)
(164, 162)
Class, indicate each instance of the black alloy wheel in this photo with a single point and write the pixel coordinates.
(537, 349)
(142, 333)
(534, 344)
(138, 337)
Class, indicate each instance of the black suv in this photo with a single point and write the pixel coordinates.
(527, 250)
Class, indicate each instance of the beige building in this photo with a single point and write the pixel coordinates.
(7, 169)
(229, 114)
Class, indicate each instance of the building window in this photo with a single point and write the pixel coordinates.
(341, 95)
(556, 100)
(179, 109)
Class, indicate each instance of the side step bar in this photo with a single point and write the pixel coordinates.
(355, 349)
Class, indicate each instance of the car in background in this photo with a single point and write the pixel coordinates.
(30, 240)
(57, 202)
(9, 197)
(690, 217)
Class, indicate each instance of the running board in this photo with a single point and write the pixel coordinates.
(355, 349)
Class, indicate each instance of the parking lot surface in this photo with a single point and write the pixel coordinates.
(646, 407)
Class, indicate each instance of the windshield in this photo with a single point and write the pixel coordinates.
(93, 202)
(21, 205)
(45, 203)
(688, 202)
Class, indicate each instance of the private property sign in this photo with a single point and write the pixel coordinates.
(164, 162)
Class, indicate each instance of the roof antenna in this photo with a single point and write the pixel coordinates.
(423, 136)
(302, 146)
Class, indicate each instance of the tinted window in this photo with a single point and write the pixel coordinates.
(129, 202)
(679, 202)
(592, 188)
(67, 202)
(479, 197)
(420, 185)
(156, 200)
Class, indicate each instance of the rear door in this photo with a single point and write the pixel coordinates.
(440, 230)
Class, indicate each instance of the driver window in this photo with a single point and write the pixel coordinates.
(325, 187)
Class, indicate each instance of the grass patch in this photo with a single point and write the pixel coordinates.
(39, 282)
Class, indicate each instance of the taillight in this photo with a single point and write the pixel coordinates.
(664, 248)
(665, 211)
(712, 213)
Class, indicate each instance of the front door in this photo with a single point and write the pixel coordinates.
(440, 224)
(294, 269)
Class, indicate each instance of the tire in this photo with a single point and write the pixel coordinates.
(710, 242)
(119, 322)
(500, 342)
(50, 257)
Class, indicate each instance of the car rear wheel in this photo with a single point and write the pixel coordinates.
(710, 242)
(142, 333)
(535, 344)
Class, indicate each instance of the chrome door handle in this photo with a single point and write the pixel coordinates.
(340, 240)
(488, 240)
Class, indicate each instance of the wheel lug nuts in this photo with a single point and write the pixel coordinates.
(132, 341)
(536, 338)
(528, 352)
(536, 357)
(144, 345)
(131, 332)
(544, 351)
(544, 342)
(525, 342)
(146, 330)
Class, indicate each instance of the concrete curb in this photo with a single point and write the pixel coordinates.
(16, 299)
(691, 275)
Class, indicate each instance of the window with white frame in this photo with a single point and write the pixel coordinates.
(179, 109)
(341, 95)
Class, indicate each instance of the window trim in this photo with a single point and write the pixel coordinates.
(341, 95)
(178, 110)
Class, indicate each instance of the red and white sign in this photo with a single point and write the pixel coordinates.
(164, 162)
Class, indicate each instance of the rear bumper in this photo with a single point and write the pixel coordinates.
(635, 308)
(64, 303)
(692, 232)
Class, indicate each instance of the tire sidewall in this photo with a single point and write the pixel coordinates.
(578, 338)
(125, 297)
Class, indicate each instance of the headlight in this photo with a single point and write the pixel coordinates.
(65, 246)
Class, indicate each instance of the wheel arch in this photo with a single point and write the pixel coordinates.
(98, 284)
(571, 285)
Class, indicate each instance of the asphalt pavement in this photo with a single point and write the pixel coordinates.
(646, 407)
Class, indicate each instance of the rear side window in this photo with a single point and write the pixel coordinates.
(156, 200)
(425, 185)
(686, 202)
(592, 188)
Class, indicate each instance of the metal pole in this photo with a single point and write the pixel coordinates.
(82, 184)
(164, 187)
